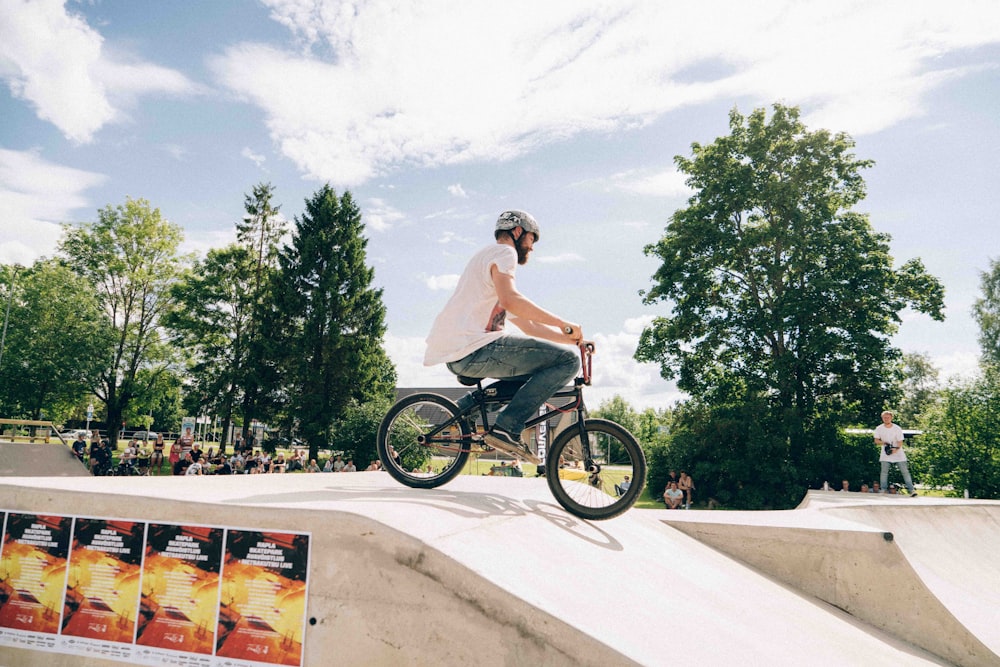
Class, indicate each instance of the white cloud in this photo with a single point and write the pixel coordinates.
(440, 82)
(635, 325)
(256, 158)
(36, 197)
(957, 364)
(457, 190)
(616, 372)
(199, 242)
(563, 258)
(51, 58)
(380, 216)
(407, 353)
(668, 183)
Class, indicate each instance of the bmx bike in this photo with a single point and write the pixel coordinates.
(425, 439)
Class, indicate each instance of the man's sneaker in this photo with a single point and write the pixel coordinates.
(500, 439)
(913, 494)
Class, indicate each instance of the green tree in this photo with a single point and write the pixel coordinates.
(257, 380)
(212, 319)
(161, 401)
(330, 320)
(919, 389)
(618, 410)
(57, 344)
(986, 311)
(357, 430)
(129, 255)
(777, 289)
(961, 442)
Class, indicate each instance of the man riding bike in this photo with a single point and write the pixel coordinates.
(469, 336)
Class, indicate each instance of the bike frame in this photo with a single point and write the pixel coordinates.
(575, 393)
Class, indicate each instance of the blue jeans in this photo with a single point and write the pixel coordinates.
(904, 470)
(545, 367)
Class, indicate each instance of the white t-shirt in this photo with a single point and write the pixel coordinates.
(472, 317)
(193, 469)
(892, 435)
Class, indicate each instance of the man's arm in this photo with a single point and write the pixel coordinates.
(529, 317)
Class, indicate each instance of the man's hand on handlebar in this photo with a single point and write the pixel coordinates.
(573, 331)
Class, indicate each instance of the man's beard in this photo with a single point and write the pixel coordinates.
(522, 252)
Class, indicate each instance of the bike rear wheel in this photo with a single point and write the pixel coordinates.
(586, 475)
(422, 443)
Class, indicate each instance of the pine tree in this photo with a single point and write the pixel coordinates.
(332, 320)
(260, 233)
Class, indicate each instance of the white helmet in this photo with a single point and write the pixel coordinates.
(511, 219)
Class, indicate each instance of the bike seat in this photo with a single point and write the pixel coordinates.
(502, 390)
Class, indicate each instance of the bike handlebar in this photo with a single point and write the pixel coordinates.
(586, 360)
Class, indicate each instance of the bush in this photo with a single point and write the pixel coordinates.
(355, 434)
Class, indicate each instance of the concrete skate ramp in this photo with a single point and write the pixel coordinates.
(955, 550)
(923, 569)
(23, 459)
(488, 571)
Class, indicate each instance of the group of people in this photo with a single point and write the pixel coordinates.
(98, 457)
(185, 457)
(259, 462)
(875, 487)
(679, 490)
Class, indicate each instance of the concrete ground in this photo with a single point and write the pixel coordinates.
(491, 571)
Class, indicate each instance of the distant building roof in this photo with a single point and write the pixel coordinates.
(868, 431)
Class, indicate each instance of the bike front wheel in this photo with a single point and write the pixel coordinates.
(422, 442)
(597, 472)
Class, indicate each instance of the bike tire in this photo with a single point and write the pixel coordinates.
(614, 453)
(416, 417)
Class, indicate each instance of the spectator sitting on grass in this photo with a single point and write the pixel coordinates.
(673, 496)
(620, 489)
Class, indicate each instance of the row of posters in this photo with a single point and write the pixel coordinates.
(153, 593)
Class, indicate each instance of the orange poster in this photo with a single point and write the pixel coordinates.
(180, 588)
(33, 572)
(262, 611)
(102, 590)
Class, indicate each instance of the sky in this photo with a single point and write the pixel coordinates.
(437, 115)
